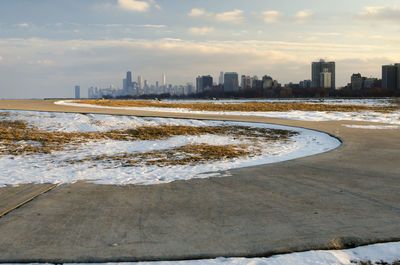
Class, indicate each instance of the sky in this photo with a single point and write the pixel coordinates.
(49, 46)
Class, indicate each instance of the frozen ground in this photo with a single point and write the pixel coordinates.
(388, 252)
(372, 127)
(365, 102)
(52, 168)
(369, 116)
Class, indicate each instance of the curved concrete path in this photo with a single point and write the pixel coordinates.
(343, 198)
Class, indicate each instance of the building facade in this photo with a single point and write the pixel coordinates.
(164, 80)
(77, 92)
(319, 67)
(221, 78)
(204, 83)
(231, 82)
(389, 76)
(398, 76)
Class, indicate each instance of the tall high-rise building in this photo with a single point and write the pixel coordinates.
(129, 78)
(77, 92)
(140, 81)
(325, 79)
(124, 84)
(231, 82)
(221, 78)
(319, 67)
(389, 77)
(204, 83)
(243, 82)
(398, 76)
(164, 80)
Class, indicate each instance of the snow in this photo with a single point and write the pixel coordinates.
(52, 168)
(367, 116)
(388, 252)
(338, 101)
(372, 127)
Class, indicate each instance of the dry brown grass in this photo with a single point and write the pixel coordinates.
(185, 155)
(247, 107)
(375, 263)
(18, 138)
(396, 102)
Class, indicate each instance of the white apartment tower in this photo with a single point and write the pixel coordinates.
(164, 80)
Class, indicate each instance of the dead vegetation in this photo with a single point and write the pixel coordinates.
(246, 107)
(186, 155)
(19, 138)
(396, 102)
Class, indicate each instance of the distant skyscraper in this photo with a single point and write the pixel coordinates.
(398, 76)
(389, 77)
(243, 82)
(124, 84)
(164, 80)
(246, 82)
(129, 79)
(77, 92)
(203, 83)
(221, 78)
(325, 79)
(317, 68)
(140, 81)
(231, 82)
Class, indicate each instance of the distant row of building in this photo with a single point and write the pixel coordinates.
(323, 76)
(229, 83)
(139, 88)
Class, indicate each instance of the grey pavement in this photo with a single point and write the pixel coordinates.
(343, 198)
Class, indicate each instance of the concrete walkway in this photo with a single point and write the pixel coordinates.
(343, 198)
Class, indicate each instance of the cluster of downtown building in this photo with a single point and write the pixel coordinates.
(230, 84)
(321, 84)
(141, 88)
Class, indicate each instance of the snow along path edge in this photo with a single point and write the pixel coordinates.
(48, 168)
(367, 116)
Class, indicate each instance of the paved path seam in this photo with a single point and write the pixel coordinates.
(27, 200)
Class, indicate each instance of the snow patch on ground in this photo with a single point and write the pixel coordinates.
(371, 127)
(368, 116)
(338, 101)
(52, 168)
(388, 252)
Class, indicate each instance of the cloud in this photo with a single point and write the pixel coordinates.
(134, 5)
(235, 16)
(101, 62)
(201, 31)
(198, 12)
(380, 13)
(271, 16)
(303, 15)
(23, 25)
(153, 3)
(152, 26)
(42, 62)
(1, 58)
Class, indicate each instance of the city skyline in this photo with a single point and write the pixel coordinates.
(54, 45)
